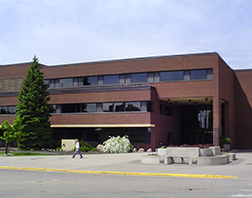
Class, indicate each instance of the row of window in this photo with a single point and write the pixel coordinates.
(102, 107)
(91, 107)
(8, 110)
(187, 75)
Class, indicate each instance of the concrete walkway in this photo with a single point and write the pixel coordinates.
(128, 164)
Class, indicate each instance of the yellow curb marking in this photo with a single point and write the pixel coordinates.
(121, 173)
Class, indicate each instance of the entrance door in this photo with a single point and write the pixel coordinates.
(196, 124)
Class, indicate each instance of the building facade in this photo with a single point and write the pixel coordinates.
(166, 100)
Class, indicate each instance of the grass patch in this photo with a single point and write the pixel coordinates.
(24, 153)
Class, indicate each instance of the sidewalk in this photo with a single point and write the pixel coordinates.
(127, 163)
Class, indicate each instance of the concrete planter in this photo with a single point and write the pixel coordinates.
(206, 152)
(162, 151)
(226, 147)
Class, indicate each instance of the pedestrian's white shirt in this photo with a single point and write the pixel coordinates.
(77, 145)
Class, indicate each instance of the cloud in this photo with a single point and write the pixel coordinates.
(63, 31)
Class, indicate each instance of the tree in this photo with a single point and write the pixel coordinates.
(34, 110)
(10, 133)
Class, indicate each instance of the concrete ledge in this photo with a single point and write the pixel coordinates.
(213, 160)
(189, 155)
(150, 159)
(232, 157)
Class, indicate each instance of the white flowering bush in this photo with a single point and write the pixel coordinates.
(117, 145)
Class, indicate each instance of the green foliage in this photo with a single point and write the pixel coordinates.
(95, 149)
(34, 110)
(225, 140)
(84, 146)
(11, 133)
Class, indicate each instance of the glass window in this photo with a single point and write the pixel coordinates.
(141, 77)
(165, 109)
(68, 108)
(84, 107)
(198, 74)
(127, 78)
(99, 107)
(108, 107)
(122, 79)
(91, 107)
(172, 75)
(210, 74)
(133, 106)
(66, 82)
(186, 75)
(57, 83)
(112, 79)
(76, 82)
(150, 77)
(11, 109)
(47, 82)
(156, 77)
(119, 106)
(3, 110)
(53, 109)
(146, 106)
(92, 80)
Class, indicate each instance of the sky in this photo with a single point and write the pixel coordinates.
(74, 31)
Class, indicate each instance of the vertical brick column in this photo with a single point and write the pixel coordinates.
(216, 121)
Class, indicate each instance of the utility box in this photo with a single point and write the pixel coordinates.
(67, 144)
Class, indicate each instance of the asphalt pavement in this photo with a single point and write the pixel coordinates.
(129, 164)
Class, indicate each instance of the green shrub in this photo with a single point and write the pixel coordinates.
(87, 146)
(94, 149)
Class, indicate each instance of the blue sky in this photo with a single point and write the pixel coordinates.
(72, 31)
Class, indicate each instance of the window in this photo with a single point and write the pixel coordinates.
(204, 117)
(122, 79)
(92, 80)
(186, 75)
(91, 107)
(198, 74)
(53, 83)
(140, 77)
(133, 106)
(108, 107)
(171, 76)
(11, 109)
(68, 108)
(210, 74)
(150, 77)
(112, 79)
(119, 106)
(165, 109)
(66, 82)
(3, 110)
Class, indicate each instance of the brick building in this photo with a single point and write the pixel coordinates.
(169, 100)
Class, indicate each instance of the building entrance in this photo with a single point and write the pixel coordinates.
(196, 124)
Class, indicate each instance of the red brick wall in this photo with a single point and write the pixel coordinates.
(243, 110)
(136, 95)
(103, 118)
(226, 92)
(165, 63)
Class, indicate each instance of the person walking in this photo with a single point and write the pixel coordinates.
(77, 150)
